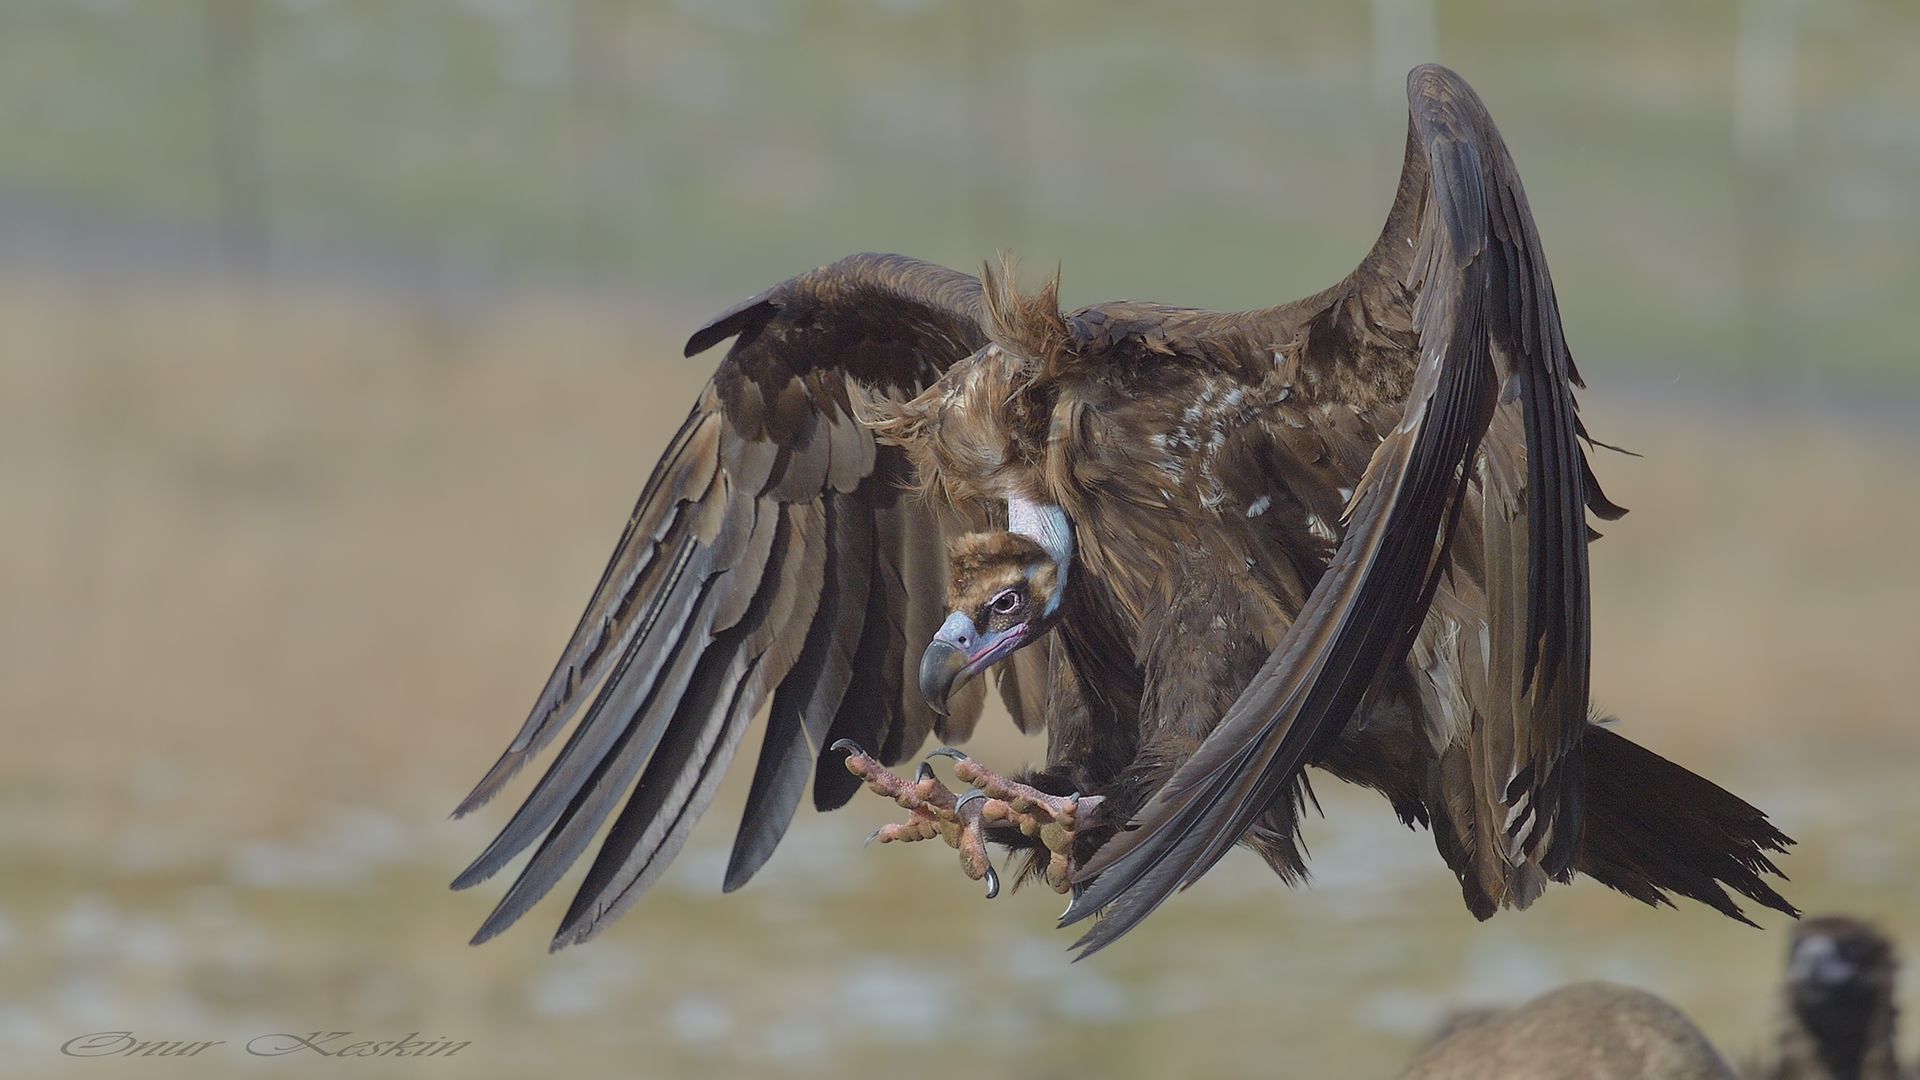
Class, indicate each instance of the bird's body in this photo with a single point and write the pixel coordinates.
(1205, 462)
(1585, 1031)
(1204, 549)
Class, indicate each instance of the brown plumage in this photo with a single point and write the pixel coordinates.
(1348, 531)
(1586, 1031)
(982, 565)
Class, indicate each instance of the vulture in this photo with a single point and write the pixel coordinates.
(1203, 550)
(1586, 1031)
(1840, 1015)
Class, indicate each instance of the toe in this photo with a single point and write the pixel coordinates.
(973, 839)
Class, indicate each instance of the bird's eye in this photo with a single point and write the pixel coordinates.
(1007, 603)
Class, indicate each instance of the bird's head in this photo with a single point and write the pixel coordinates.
(1838, 963)
(1004, 591)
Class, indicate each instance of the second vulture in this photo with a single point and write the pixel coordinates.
(1204, 550)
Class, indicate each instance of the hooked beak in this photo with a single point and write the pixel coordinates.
(957, 653)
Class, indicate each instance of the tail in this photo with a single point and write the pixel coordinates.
(1653, 828)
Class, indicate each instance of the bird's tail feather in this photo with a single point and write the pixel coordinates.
(1653, 828)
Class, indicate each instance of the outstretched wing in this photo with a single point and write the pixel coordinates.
(1459, 261)
(776, 552)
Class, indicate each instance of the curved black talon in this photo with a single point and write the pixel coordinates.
(945, 751)
(849, 746)
(993, 882)
(872, 836)
(972, 793)
(923, 772)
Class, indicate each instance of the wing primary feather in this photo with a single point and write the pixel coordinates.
(707, 728)
(806, 700)
(686, 608)
(610, 888)
(770, 654)
(605, 723)
(593, 798)
(921, 565)
(592, 786)
(886, 615)
(871, 713)
(854, 715)
(612, 619)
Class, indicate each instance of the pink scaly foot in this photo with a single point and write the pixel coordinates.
(1054, 819)
(932, 810)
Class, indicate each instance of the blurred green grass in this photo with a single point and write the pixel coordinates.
(1224, 153)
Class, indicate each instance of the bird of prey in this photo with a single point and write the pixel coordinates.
(1840, 1016)
(1204, 550)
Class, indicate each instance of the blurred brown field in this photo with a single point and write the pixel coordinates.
(283, 567)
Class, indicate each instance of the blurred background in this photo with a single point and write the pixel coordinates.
(337, 336)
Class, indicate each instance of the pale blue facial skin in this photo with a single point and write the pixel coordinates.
(981, 649)
(959, 652)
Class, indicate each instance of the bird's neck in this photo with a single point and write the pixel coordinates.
(1047, 525)
(1854, 1041)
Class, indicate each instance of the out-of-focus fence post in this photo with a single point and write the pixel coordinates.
(599, 140)
(1405, 35)
(233, 76)
(1766, 45)
(997, 167)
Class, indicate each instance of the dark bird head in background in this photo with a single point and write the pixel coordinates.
(1840, 976)
(1004, 591)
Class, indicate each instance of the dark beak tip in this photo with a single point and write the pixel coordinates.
(940, 667)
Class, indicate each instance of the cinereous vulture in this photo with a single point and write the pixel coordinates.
(1204, 550)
